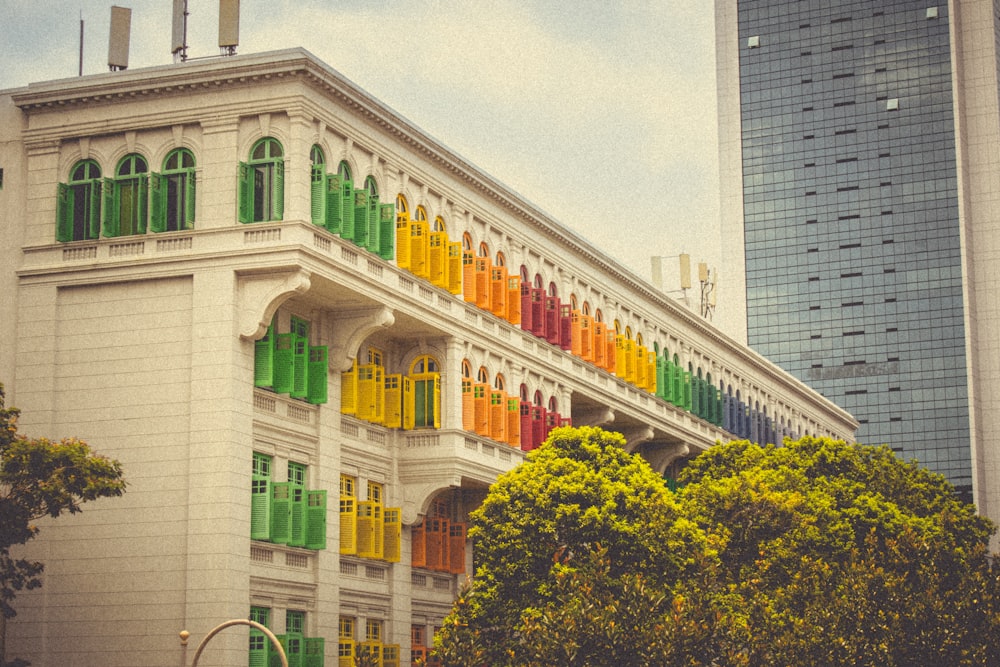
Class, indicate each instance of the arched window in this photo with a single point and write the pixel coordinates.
(553, 290)
(439, 225)
(483, 375)
(538, 400)
(172, 197)
(78, 203)
(317, 185)
(371, 187)
(128, 214)
(499, 383)
(524, 392)
(425, 392)
(401, 204)
(344, 171)
(467, 241)
(484, 249)
(598, 315)
(420, 215)
(262, 183)
(573, 302)
(466, 368)
(500, 260)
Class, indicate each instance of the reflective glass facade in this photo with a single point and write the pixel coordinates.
(850, 198)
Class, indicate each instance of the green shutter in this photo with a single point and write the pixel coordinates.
(387, 230)
(300, 363)
(263, 360)
(278, 200)
(297, 504)
(64, 212)
(347, 208)
(284, 363)
(108, 194)
(293, 649)
(94, 221)
(316, 391)
(374, 224)
(157, 203)
(314, 652)
(316, 520)
(260, 508)
(281, 512)
(189, 195)
(245, 193)
(360, 236)
(259, 648)
(142, 192)
(317, 195)
(334, 204)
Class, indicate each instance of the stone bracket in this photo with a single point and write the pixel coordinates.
(259, 294)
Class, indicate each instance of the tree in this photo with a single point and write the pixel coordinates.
(40, 478)
(845, 555)
(581, 558)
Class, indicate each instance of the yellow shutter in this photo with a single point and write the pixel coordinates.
(437, 264)
(349, 390)
(418, 248)
(408, 408)
(640, 365)
(394, 401)
(403, 240)
(455, 267)
(621, 365)
(392, 534)
(348, 525)
(370, 526)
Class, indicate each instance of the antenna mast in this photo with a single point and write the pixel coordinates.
(180, 31)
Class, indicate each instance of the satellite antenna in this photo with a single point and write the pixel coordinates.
(229, 26)
(178, 42)
(121, 25)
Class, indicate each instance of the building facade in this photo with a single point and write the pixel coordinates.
(859, 143)
(313, 336)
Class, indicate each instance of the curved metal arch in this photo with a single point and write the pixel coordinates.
(240, 621)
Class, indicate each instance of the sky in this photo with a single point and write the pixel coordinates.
(602, 114)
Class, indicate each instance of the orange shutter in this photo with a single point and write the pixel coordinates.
(456, 548)
(600, 350)
(514, 421)
(468, 276)
(498, 415)
(498, 291)
(610, 351)
(576, 333)
(468, 406)
(418, 546)
(482, 268)
(514, 299)
(481, 397)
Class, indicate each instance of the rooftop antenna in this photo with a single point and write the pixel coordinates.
(178, 44)
(121, 25)
(229, 26)
(80, 70)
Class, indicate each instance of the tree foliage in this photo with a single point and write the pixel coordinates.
(844, 555)
(40, 478)
(579, 515)
(813, 553)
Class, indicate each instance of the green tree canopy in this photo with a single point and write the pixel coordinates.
(41, 478)
(816, 552)
(578, 510)
(845, 555)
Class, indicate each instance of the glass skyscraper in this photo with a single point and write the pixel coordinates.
(859, 143)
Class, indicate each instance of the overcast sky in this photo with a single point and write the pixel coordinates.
(602, 113)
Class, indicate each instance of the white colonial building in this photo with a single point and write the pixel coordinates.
(313, 336)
